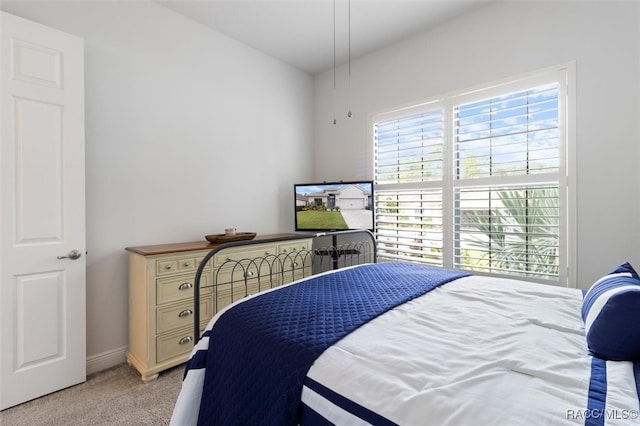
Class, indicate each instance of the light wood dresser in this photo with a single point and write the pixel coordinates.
(161, 282)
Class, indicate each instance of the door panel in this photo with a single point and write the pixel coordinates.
(38, 144)
(42, 323)
(37, 64)
(42, 213)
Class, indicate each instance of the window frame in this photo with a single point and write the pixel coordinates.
(564, 74)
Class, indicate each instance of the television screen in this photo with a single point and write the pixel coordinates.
(334, 206)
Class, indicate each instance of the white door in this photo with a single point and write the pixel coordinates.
(42, 212)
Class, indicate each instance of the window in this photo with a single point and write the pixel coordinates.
(478, 180)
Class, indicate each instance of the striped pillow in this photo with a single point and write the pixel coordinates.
(611, 314)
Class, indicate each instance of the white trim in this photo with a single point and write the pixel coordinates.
(105, 360)
(571, 180)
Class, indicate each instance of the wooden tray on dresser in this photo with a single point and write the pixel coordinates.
(223, 238)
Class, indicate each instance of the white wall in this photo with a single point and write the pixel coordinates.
(501, 40)
(187, 132)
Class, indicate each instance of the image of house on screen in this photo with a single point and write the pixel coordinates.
(340, 197)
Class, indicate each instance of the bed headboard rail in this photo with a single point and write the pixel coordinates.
(245, 276)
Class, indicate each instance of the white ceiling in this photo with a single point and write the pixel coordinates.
(300, 32)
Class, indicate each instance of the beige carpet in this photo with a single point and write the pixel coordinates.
(112, 397)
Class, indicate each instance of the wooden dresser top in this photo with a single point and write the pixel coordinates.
(204, 244)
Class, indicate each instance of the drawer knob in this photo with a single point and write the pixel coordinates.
(294, 264)
(185, 313)
(168, 267)
(185, 286)
(185, 264)
(185, 340)
(248, 274)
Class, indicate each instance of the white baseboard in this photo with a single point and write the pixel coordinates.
(106, 360)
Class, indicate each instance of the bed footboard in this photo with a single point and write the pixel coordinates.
(234, 270)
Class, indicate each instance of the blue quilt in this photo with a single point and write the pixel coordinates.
(271, 341)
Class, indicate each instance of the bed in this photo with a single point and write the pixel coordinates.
(399, 343)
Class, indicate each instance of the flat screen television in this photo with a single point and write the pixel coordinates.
(334, 206)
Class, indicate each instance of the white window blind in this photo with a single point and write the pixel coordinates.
(409, 225)
(508, 135)
(476, 181)
(409, 149)
(513, 230)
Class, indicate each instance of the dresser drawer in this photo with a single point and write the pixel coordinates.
(298, 246)
(199, 261)
(295, 255)
(243, 253)
(246, 269)
(296, 274)
(168, 266)
(178, 315)
(295, 261)
(174, 288)
(173, 265)
(226, 295)
(174, 344)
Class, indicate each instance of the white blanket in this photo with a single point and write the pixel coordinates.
(477, 351)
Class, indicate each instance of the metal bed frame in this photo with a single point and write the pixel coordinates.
(273, 269)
